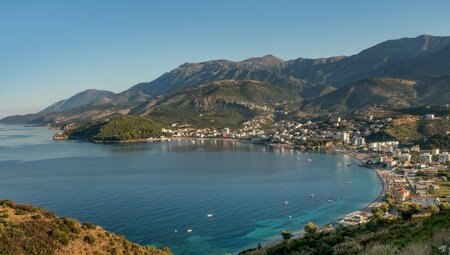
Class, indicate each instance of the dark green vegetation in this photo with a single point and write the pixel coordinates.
(416, 236)
(436, 141)
(416, 72)
(26, 230)
(124, 128)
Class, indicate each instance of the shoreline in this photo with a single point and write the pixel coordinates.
(364, 157)
(361, 157)
(330, 226)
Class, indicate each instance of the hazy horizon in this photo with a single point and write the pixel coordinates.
(52, 50)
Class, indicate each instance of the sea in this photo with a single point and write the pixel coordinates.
(210, 196)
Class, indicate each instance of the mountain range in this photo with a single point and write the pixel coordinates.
(401, 73)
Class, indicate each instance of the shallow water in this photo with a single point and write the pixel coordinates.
(147, 191)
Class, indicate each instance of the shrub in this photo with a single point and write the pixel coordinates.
(20, 212)
(26, 208)
(72, 225)
(49, 215)
(88, 225)
(17, 233)
(36, 217)
(60, 236)
(311, 228)
(4, 215)
(286, 235)
(7, 203)
(434, 209)
(89, 239)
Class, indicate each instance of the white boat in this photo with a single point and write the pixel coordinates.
(349, 182)
(309, 160)
(286, 202)
(176, 230)
(189, 230)
(209, 215)
(290, 217)
(312, 195)
(330, 201)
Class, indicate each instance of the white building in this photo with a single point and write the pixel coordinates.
(391, 164)
(383, 146)
(429, 116)
(389, 148)
(359, 141)
(405, 157)
(444, 157)
(426, 158)
(435, 151)
(343, 136)
(373, 146)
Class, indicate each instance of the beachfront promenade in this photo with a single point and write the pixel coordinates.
(384, 178)
(382, 175)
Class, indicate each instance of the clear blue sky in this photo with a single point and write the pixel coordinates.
(50, 50)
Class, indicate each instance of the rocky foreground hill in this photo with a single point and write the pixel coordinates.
(25, 229)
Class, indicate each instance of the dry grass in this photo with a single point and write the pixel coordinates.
(28, 230)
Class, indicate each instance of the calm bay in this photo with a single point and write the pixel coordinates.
(232, 195)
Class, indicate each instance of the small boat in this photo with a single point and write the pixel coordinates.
(309, 160)
(348, 165)
(189, 230)
(290, 217)
(286, 202)
(330, 201)
(349, 182)
(311, 196)
(209, 215)
(176, 231)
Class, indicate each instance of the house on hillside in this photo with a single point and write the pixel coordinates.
(401, 194)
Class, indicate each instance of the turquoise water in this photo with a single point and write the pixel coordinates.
(147, 191)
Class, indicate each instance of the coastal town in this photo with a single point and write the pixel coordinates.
(410, 175)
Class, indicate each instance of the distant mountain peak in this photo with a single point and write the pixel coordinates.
(324, 82)
(267, 59)
(80, 99)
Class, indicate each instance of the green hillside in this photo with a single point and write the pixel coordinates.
(220, 104)
(427, 133)
(123, 128)
(380, 91)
